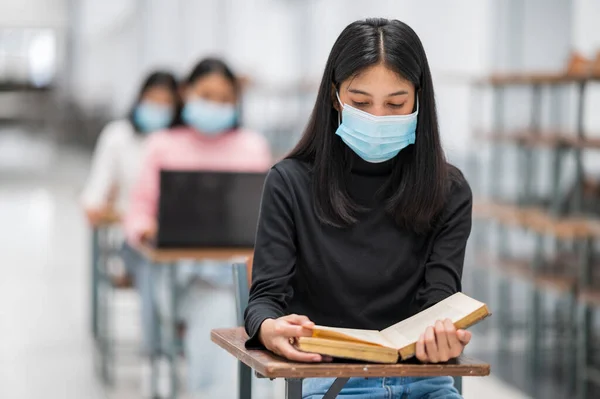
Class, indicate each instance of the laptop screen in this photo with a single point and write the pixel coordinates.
(200, 209)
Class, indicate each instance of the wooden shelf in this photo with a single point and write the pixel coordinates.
(543, 138)
(578, 142)
(536, 78)
(590, 296)
(521, 268)
(562, 284)
(537, 220)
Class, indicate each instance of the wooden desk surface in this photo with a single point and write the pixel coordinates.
(108, 218)
(273, 366)
(536, 78)
(175, 254)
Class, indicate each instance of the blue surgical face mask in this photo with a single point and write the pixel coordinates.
(376, 138)
(209, 117)
(150, 117)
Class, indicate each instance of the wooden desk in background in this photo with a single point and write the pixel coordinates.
(173, 255)
(271, 366)
(170, 258)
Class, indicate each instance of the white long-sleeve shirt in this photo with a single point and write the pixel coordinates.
(115, 166)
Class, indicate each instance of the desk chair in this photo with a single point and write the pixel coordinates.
(242, 273)
(100, 243)
(106, 249)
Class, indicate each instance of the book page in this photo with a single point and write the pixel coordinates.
(365, 336)
(454, 308)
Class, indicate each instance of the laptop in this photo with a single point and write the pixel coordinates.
(201, 209)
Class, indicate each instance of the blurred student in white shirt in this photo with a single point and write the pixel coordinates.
(115, 167)
(118, 152)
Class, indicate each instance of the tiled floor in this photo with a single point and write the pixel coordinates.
(45, 345)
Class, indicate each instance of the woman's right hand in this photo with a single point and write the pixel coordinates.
(275, 334)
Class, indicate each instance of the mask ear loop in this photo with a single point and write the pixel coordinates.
(417, 101)
(341, 105)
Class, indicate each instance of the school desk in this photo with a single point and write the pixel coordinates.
(267, 365)
(170, 258)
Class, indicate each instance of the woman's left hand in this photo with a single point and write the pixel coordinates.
(441, 342)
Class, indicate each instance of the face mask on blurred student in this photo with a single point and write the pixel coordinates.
(150, 117)
(376, 138)
(209, 117)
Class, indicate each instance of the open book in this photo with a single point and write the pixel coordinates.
(397, 341)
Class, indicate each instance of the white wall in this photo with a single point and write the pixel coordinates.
(105, 51)
(586, 39)
(586, 35)
(36, 14)
(546, 34)
(33, 13)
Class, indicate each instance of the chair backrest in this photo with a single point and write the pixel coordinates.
(242, 276)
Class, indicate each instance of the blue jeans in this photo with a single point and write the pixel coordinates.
(206, 300)
(385, 388)
(141, 271)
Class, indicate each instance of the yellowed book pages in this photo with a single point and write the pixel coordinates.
(455, 308)
(402, 337)
(351, 335)
(345, 349)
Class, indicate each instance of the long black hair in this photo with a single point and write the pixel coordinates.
(162, 79)
(419, 183)
(215, 65)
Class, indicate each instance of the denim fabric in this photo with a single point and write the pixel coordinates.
(207, 307)
(141, 271)
(217, 273)
(203, 306)
(385, 388)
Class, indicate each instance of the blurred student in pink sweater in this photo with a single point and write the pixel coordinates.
(211, 139)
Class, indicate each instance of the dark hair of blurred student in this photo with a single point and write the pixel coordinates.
(158, 105)
(210, 138)
(117, 155)
(211, 98)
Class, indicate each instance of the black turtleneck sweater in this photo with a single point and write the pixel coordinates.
(370, 275)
